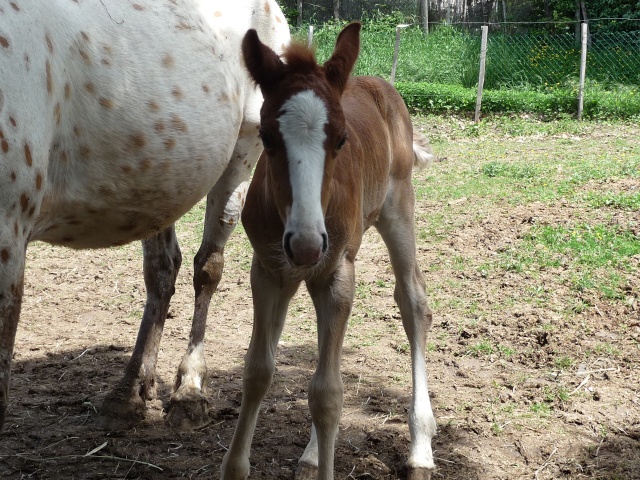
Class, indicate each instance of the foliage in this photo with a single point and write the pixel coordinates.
(537, 73)
(429, 97)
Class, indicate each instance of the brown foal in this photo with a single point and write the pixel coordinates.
(339, 154)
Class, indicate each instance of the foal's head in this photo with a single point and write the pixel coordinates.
(302, 129)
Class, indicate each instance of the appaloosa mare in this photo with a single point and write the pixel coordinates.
(338, 158)
(115, 119)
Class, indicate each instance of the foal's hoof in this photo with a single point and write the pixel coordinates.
(306, 471)
(417, 473)
(187, 412)
(121, 410)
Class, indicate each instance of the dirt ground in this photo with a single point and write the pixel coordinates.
(525, 415)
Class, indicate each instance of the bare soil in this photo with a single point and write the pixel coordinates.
(527, 414)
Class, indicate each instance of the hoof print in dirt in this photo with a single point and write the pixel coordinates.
(306, 471)
(188, 414)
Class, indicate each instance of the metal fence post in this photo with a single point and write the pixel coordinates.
(583, 68)
(396, 50)
(483, 56)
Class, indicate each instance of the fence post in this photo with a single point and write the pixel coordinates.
(396, 50)
(583, 68)
(310, 36)
(425, 15)
(483, 56)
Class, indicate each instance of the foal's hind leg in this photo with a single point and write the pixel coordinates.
(125, 405)
(396, 226)
(188, 405)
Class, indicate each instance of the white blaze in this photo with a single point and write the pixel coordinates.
(302, 127)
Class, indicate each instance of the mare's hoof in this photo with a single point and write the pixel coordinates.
(121, 410)
(415, 473)
(188, 412)
(306, 471)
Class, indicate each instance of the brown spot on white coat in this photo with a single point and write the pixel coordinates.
(105, 102)
(49, 77)
(47, 39)
(27, 154)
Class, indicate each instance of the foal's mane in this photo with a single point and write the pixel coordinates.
(300, 58)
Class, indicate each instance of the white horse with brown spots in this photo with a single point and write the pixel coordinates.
(338, 158)
(115, 119)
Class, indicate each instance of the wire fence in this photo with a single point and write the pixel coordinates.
(449, 54)
(551, 61)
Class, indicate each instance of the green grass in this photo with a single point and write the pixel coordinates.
(624, 201)
(439, 72)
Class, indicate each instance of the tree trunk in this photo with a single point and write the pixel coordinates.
(336, 9)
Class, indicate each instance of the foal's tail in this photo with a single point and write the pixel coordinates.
(422, 153)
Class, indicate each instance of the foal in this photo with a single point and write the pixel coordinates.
(338, 158)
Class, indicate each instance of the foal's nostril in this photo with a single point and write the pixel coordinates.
(325, 243)
(286, 243)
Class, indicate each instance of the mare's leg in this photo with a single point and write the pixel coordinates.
(396, 225)
(333, 299)
(188, 405)
(125, 404)
(22, 176)
(271, 298)
(12, 260)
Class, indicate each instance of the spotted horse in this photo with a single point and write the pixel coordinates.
(338, 159)
(115, 119)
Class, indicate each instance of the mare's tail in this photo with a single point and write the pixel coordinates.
(422, 153)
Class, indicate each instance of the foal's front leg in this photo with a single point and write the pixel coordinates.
(271, 298)
(333, 299)
(124, 406)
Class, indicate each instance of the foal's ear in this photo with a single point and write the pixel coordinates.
(264, 65)
(339, 66)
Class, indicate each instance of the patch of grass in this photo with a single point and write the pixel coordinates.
(541, 409)
(506, 352)
(563, 363)
(624, 201)
(592, 245)
(482, 348)
(595, 253)
(511, 170)
(607, 349)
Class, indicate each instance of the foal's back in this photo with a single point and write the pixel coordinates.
(380, 145)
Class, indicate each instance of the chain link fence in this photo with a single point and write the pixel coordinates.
(551, 61)
(319, 12)
(541, 57)
(449, 54)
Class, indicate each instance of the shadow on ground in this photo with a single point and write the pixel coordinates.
(50, 430)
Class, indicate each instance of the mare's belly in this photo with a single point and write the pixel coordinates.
(123, 199)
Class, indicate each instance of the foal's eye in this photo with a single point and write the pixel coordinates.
(341, 142)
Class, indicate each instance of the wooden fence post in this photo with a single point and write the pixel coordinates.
(583, 68)
(310, 36)
(425, 15)
(483, 57)
(396, 50)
